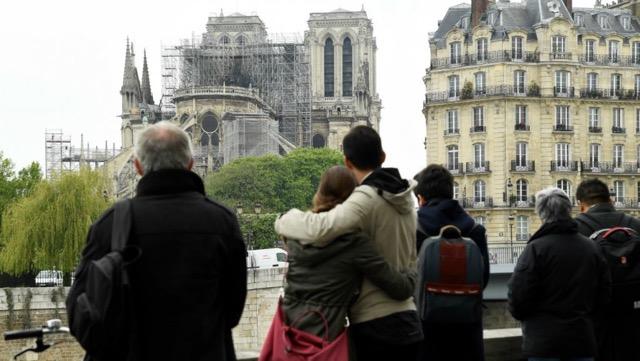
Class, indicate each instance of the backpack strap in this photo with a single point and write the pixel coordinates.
(121, 225)
(589, 221)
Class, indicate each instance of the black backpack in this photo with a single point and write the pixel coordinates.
(100, 318)
(620, 245)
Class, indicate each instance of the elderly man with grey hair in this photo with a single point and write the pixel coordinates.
(189, 283)
(558, 286)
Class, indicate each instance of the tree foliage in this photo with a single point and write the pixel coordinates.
(276, 183)
(47, 228)
(13, 187)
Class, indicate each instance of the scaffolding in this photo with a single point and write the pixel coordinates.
(248, 135)
(61, 156)
(278, 69)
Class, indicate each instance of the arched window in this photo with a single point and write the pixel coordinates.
(204, 140)
(241, 40)
(318, 141)
(328, 68)
(347, 68)
(209, 123)
(479, 191)
(215, 140)
(224, 40)
(522, 190)
(565, 185)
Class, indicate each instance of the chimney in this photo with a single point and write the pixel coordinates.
(569, 5)
(479, 7)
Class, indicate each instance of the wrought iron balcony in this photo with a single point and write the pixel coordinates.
(626, 202)
(522, 202)
(484, 58)
(560, 56)
(619, 60)
(478, 167)
(563, 92)
(477, 202)
(562, 128)
(595, 129)
(478, 129)
(455, 168)
(596, 167)
(611, 167)
(455, 131)
(523, 127)
(607, 93)
(618, 130)
(523, 166)
(564, 166)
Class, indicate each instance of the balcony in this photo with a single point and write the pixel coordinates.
(478, 129)
(455, 169)
(596, 167)
(626, 203)
(618, 130)
(485, 58)
(610, 167)
(564, 166)
(522, 127)
(606, 93)
(560, 56)
(477, 202)
(478, 167)
(522, 202)
(618, 60)
(595, 129)
(490, 91)
(563, 92)
(449, 132)
(563, 128)
(523, 166)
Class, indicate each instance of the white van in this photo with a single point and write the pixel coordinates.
(49, 278)
(267, 258)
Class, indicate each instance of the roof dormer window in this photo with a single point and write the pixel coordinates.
(491, 18)
(603, 20)
(626, 23)
(579, 19)
(464, 23)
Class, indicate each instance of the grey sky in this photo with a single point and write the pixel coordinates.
(62, 63)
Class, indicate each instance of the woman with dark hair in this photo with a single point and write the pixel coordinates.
(328, 279)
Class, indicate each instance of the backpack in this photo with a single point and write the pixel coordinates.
(99, 318)
(450, 278)
(620, 246)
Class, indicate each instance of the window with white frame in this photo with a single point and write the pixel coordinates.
(521, 117)
(452, 121)
(478, 117)
(618, 155)
(478, 155)
(579, 20)
(563, 154)
(562, 117)
(614, 51)
(455, 53)
(603, 20)
(638, 121)
(565, 185)
(481, 220)
(456, 190)
(635, 52)
(522, 228)
(589, 51)
(616, 81)
(618, 119)
(618, 189)
(558, 43)
(563, 82)
(482, 49)
(594, 155)
(516, 48)
(452, 158)
(522, 155)
(518, 82)
(522, 190)
(626, 23)
(481, 83)
(592, 82)
(454, 86)
(491, 18)
(479, 191)
(594, 118)
(637, 85)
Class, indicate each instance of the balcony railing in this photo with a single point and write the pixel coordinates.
(619, 60)
(519, 166)
(562, 128)
(490, 91)
(611, 167)
(478, 167)
(488, 57)
(563, 92)
(595, 129)
(478, 129)
(564, 166)
(507, 253)
(477, 202)
(523, 127)
(606, 93)
(455, 169)
(524, 202)
(560, 56)
(629, 202)
(452, 131)
(618, 130)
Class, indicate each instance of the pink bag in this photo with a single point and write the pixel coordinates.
(287, 343)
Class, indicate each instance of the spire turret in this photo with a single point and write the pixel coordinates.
(130, 89)
(147, 96)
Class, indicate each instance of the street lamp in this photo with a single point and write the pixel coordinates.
(511, 219)
(509, 191)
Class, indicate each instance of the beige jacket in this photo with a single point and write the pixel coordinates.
(390, 222)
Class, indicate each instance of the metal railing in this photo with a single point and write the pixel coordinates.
(607, 93)
(452, 131)
(618, 130)
(522, 202)
(562, 128)
(478, 129)
(595, 129)
(486, 58)
(455, 169)
(560, 56)
(478, 167)
(523, 127)
(611, 167)
(564, 166)
(619, 60)
(528, 166)
(507, 253)
(563, 92)
(628, 202)
(477, 202)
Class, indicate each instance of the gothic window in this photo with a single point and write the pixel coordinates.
(215, 140)
(204, 140)
(347, 68)
(241, 40)
(224, 40)
(328, 68)
(318, 141)
(209, 123)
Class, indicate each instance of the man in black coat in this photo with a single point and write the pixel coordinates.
(438, 209)
(618, 334)
(189, 284)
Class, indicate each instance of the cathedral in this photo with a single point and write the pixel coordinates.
(239, 91)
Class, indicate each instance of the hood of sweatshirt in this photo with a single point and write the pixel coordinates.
(438, 213)
(396, 191)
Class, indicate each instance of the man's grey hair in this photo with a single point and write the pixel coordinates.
(553, 204)
(163, 146)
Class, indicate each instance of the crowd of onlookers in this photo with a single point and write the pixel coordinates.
(369, 277)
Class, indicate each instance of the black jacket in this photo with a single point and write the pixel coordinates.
(328, 280)
(559, 284)
(190, 281)
(618, 336)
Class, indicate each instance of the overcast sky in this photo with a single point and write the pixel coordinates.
(62, 63)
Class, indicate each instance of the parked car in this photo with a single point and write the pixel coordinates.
(267, 258)
(49, 278)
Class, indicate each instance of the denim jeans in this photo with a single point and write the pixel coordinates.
(561, 359)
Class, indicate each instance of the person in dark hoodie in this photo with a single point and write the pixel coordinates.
(558, 286)
(382, 207)
(439, 209)
(327, 279)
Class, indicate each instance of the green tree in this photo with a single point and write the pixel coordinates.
(47, 228)
(13, 187)
(276, 183)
